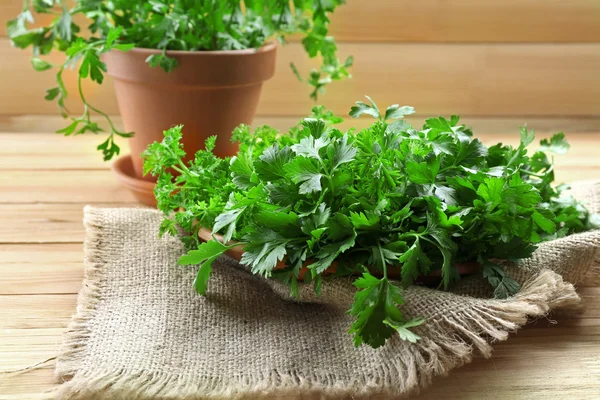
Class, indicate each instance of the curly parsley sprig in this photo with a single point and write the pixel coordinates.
(168, 25)
(387, 197)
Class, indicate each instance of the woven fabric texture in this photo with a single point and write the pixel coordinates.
(141, 332)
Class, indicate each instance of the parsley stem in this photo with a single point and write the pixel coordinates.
(331, 185)
(447, 168)
(183, 169)
(176, 168)
(430, 241)
(515, 156)
(383, 264)
(411, 234)
(86, 104)
(538, 175)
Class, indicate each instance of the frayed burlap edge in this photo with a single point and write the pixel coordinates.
(592, 278)
(588, 192)
(77, 334)
(456, 338)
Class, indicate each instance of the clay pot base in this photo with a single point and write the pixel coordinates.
(141, 189)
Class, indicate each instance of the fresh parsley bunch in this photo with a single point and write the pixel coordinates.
(168, 25)
(389, 197)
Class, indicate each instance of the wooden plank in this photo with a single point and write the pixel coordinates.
(552, 360)
(42, 253)
(583, 154)
(544, 369)
(555, 377)
(25, 347)
(41, 223)
(36, 311)
(63, 187)
(45, 151)
(33, 385)
(100, 186)
(443, 21)
(44, 223)
(35, 124)
(40, 269)
(19, 151)
(468, 21)
(45, 278)
(475, 80)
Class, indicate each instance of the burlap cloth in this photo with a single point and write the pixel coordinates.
(141, 332)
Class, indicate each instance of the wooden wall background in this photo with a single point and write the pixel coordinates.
(512, 60)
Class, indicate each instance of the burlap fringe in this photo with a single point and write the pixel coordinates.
(588, 192)
(451, 341)
(593, 276)
(77, 334)
(448, 343)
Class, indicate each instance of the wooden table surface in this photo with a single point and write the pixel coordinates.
(46, 180)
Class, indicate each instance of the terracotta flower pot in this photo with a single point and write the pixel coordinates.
(210, 93)
(432, 279)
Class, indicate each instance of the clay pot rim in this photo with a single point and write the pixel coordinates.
(197, 70)
(121, 166)
(265, 48)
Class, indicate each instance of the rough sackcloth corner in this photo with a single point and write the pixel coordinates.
(141, 332)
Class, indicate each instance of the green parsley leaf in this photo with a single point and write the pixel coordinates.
(362, 108)
(304, 172)
(544, 223)
(504, 286)
(371, 304)
(271, 163)
(365, 221)
(403, 329)
(227, 219)
(206, 254)
(397, 112)
(491, 191)
(423, 173)
(242, 172)
(526, 136)
(264, 249)
(52, 93)
(40, 65)
(309, 147)
(414, 263)
(327, 254)
(344, 152)
(557, 144)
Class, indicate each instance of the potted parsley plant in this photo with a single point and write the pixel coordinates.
(198, 63)
(388, 205)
